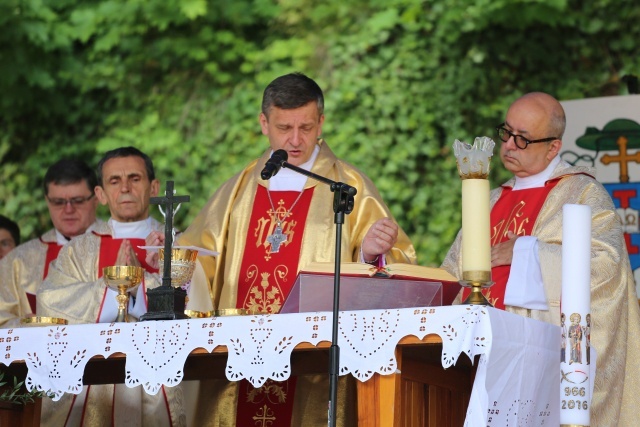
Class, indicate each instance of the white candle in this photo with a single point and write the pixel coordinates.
(476, 245)
(576, 372)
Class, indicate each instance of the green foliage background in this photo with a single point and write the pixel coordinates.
(183, 79)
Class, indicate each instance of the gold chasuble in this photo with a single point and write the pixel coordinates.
(263, 244)
(74, 290)
(515, 211)
(267, 273)
(53, 249)
(21, 272)
(615, 316)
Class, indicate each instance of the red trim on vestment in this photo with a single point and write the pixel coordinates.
(264, 283)
(53, 249)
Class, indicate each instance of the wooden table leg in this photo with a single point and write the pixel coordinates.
(380, 399)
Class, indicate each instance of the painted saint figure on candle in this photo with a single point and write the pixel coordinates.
(587, 336)
(575, 335)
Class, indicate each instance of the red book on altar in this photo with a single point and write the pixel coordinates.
(366, 287)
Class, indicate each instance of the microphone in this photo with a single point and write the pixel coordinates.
(274, 164)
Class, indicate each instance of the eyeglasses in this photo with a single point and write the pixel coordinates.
(74, 201)
(521, 142)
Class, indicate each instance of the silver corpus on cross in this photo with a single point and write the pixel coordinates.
(277, 238)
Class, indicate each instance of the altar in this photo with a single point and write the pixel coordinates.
(516, 380)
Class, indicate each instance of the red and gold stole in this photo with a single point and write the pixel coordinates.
(53, 249)
(108, 253)
(265, 281)
(515, 211)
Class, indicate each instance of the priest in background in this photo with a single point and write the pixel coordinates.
(9, 235)
(526, 252)
(74, 290)
(69, 192)
(256, 271)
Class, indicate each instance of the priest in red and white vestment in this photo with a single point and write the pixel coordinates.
(74, 290)
(267, 231)
(526, 240)
(69, 192)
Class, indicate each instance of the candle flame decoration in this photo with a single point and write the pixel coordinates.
(474, 161)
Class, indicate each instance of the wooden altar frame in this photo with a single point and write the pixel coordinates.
(421, 393)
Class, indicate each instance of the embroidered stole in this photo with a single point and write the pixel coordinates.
(107, 393)
(53, 249)
(515, 211)
(265, 281)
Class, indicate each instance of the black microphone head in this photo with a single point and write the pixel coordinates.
(282, 154)
(274, 164)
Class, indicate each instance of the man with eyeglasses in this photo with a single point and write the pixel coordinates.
(75, 290)
(68, 191)
(526, 224)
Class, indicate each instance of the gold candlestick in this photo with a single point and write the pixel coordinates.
(473, 167)
(122, 279)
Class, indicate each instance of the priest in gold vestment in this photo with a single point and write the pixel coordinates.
(267, 231)
(74, 290)
(69, 192)
(526, 238)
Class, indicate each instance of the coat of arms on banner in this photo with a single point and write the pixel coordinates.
(605, 133)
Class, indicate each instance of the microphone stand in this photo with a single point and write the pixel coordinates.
(342, 204)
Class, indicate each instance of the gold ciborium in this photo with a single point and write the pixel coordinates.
(183, 264)
(122, 279)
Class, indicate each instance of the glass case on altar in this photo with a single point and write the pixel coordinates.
(314, 292)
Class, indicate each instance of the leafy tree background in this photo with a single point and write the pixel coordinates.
(183, 79)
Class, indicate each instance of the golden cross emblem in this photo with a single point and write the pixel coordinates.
(264, 417)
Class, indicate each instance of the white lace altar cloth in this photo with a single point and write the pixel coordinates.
(517, 380)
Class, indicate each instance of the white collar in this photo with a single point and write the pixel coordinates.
(538, 180)
(290, 180)
(131, 230)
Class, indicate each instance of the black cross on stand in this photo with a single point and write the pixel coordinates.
(166, 302)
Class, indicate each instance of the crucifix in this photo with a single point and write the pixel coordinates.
(167, 302)
(277, 238)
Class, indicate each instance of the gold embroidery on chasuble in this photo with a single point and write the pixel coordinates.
(266, 278)
(516, 221)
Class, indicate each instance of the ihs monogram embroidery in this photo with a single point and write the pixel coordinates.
(278, 217)
(514, 222)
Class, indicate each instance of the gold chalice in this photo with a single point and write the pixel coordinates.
(183, 264)
(122, 278)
